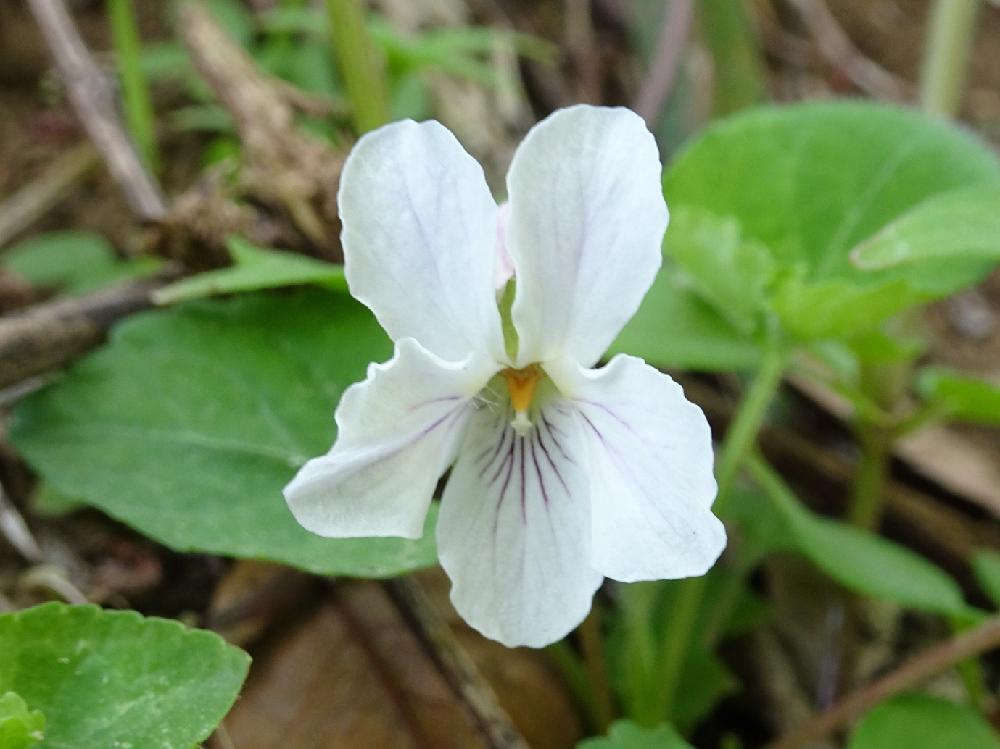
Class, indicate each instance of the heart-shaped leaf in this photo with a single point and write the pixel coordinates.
(190, 422)
(114, 679)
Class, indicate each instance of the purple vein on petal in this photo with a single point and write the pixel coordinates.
(524, 515)
(434, 401)
(625, 467)
(548, 457)
(536, 438)
(553, 435)
(497, 450)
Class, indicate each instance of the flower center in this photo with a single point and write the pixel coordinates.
(522, 384)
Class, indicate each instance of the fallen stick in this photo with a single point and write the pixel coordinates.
(455, 664)
(48, 335)
(94, 103)
(911, 673)
(838, 50)
(34, 200)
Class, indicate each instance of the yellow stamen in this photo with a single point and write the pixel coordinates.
(522, 384)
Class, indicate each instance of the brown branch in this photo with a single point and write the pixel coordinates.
(94, 103)
(669, 48)
(34, 200)
(837, 49)
(456, 666)
(51, 334)
(16, 531)
(283, 166)
(910, 674)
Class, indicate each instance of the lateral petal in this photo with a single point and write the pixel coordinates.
(587, 217)
(650, 461)
(397, 433)
(419, 237)
(514, 528)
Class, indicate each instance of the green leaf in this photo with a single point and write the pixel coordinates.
(635, 640)
(190, 422)
(986, 565)
(919, 721)
(115, 679)
(726, 270)
(20, 726)
(960, 396)
(624, 734)
(812, 181)
(73, 261)
(837, 308)
(675, 328)
(960, 226)
(860, 560)
(254, 269)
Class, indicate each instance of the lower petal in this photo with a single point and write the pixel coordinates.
(398, 432)
(514, 529)
(650, 462)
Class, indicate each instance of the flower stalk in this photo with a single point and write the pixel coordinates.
(359, 63)
(740, 439)
(946, 55)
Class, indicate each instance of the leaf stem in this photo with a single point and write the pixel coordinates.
(868, 489)
(136, 99)
(946, 55)
(740, 439)
(746, 423)
(738, 64)
(360, 64)
(592, 645)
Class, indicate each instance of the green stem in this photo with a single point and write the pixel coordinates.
(946, 55)
(738, 63)
(740, 439)
(360, 64)
(136, 99)
(592, 645)
(640, 652)
(675, 646)
(970, 670)
(865, 508)
(742, 433)
(567, 662)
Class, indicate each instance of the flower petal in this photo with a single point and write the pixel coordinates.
(650, 463)
(514, 529)
(587, 219)
(398, 431)
(419, 238)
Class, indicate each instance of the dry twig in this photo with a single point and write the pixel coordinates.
(459, 670)
(34, 200)
(15, 530)
(669, 49)
(283, 166)
(837, 49)
(94, 103)
(913, 672)
(51, 334)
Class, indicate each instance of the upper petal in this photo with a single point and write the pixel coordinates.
(419, 236)
(650, 463)
(514, 529)
(397, 432)
(586, 221)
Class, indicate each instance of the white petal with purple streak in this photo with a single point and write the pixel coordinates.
(514, 530)
(398, 432)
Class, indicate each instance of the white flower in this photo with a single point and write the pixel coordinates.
(563, 473)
